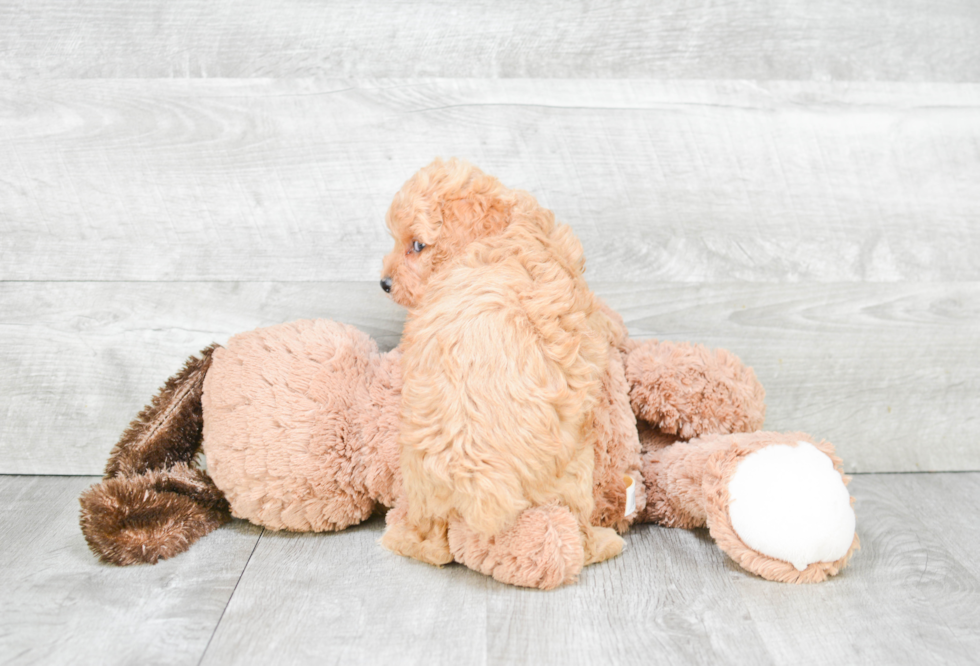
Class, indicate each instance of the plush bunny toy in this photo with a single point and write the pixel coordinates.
(300, 424)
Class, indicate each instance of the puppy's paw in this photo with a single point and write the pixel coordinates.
(431, 545)
(543, 549)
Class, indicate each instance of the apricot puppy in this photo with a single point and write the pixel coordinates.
(504, 350)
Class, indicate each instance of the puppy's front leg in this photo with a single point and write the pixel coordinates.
(425, 540)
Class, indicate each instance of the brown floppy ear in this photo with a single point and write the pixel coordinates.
(154, 501)
(143, 518)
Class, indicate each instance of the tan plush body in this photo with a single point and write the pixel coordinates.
(299, 425)
(504, 429)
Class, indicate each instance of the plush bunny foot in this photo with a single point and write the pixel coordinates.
(543, 549)
(776, 503)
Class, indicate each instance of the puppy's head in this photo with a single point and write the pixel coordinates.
(438, 213)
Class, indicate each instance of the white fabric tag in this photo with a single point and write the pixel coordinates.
(630, 495)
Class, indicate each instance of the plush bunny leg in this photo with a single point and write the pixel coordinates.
(690, 391)
(776, 503)
(673, 471)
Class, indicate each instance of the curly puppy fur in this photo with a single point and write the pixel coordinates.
(505, 349)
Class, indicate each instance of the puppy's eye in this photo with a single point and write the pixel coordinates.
(417, 246)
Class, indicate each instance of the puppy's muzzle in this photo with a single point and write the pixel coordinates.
(386, 285)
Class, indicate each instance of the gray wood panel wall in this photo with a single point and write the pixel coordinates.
(800, 184)
(901, 40)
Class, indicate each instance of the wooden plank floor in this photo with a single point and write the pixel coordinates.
(240, 596)
(62, 607)
(824, 231)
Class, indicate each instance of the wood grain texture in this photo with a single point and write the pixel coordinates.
(668, 181)
(905, 599)
(667, 599)
(907, 40)
(908, 597)
(794, 181)
(81, 359)
(342, 599)
(348, 601)
(949, 505)
(61, 606)
(888, 372)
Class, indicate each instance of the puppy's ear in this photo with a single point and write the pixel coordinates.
(473, 205)
(477, 216)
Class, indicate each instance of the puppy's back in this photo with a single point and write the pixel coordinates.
(502, 368)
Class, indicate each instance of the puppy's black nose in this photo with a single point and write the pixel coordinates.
(386, 285)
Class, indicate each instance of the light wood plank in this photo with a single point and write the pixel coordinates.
(902, 40)
(948, 505)
(342, 599)
(81, 359)
(61, 606)
(889, 373)
(349, 602)
(667, 598)
(662, 180)
(905, 599)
